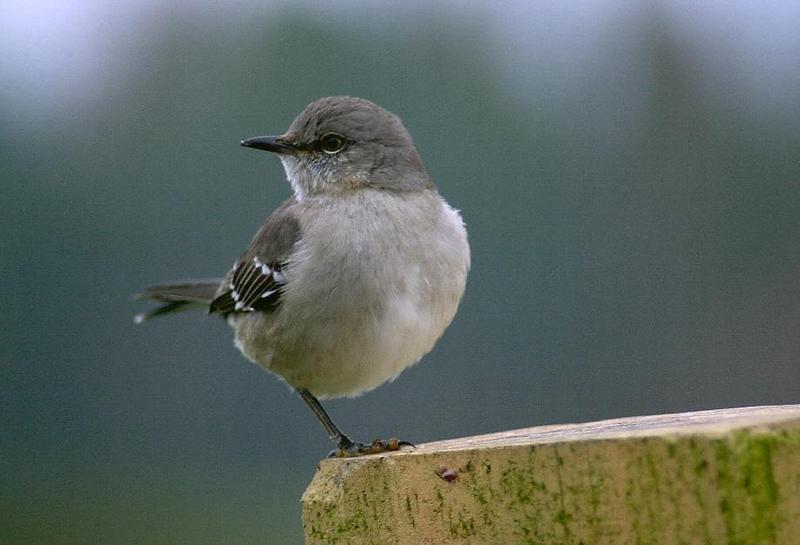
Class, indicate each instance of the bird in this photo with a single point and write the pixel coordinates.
(353, 278)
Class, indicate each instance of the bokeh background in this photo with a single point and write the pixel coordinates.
(629, 172)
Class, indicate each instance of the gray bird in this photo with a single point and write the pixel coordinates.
(355, 277)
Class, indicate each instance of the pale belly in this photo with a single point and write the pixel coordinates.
(358, 311)
(344, 356)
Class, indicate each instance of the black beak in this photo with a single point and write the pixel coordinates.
(275, 144)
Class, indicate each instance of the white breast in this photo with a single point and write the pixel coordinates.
(371, 287)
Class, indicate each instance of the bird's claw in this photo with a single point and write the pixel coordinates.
(349, 449)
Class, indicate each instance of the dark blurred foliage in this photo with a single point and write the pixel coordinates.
(635, 229)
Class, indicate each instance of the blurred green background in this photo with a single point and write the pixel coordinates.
(629, 173)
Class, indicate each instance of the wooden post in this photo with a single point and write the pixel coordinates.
(728, 476)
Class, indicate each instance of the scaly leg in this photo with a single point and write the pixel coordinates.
(344, 446)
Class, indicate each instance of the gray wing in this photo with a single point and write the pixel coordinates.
(255, 282)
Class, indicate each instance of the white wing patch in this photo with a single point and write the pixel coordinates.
(253, 285)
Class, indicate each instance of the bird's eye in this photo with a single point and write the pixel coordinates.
(332, 143)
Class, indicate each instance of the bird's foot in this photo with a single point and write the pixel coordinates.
(348, 449)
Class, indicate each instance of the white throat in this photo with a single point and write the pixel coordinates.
(294, 174)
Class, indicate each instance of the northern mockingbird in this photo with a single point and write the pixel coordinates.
(352, 279)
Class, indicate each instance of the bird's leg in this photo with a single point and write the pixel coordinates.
(344, 446)
(336, 435)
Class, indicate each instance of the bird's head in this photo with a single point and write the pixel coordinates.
(346, 143)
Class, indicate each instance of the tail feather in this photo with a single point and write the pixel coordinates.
(178, 297)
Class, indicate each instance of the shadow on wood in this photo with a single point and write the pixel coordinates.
(723, 476)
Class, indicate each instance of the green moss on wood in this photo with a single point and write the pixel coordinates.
(739, 488)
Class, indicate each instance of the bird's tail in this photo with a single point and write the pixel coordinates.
(177, 297)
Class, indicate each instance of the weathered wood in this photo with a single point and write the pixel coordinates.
(728, 476)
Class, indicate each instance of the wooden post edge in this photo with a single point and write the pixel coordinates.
(720, 476)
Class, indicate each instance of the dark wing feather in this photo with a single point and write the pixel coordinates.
(256, 279)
